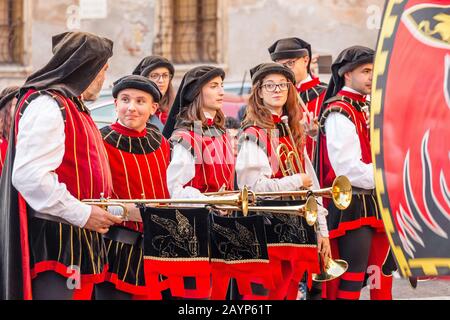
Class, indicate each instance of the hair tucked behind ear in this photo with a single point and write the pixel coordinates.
(194, 112)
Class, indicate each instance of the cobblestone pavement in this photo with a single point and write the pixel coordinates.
(426, 290)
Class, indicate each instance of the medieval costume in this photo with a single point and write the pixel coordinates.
(58, 159)
(202, 161)
(202, 156)
(139, 163)
(294, 252)
(311, 90)
(357, 233)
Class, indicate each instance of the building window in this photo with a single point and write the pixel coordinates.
(188, 31)
(11, 32)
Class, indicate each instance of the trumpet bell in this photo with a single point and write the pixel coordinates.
(341, 191)
(311, 211)
(334, 269)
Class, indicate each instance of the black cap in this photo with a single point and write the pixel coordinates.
(78, 57)
(190, 87)
(289, 48)
(352, 58)
(139, 83)
(260, 71)
(348, 60)
(148, 64)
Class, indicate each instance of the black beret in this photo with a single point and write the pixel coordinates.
(348, 60)
(351, 58)
(289, 48)
(263, 69)
(148, 64)
(139, 83)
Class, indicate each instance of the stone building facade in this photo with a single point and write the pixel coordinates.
(234, 34)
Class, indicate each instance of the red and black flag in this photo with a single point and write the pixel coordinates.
(410, 133)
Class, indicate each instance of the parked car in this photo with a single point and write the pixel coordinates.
(103, 110)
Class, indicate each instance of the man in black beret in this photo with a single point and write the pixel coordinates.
(295, 54)
(51, 245)
(357, 234)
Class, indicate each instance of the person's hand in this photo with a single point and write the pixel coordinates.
(366, 110)
(100, 220)
(307, 181)
(134, 213)
(223, 213)
(310, 124)
(324, 249)
(314, 66)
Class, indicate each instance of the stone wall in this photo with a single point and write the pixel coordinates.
(251, 26)
(130, 24)
(329, 25)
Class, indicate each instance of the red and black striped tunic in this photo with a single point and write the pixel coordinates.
(213, 155)
(138, 163)
(85, 171)
(363, 209)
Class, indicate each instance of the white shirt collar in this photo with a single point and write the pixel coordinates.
(208, 115)
(308, 78)
(348, 89)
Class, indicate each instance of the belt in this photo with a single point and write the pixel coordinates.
(369, 192)
(126, 236)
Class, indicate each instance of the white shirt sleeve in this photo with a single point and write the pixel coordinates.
(322, 214)
(181, 170)
(39, 152)
(344, 151)
(254, 171)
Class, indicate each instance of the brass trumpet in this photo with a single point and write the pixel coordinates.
(287, 166)
(340, 192)
(334, 269)
(309, 210)
(238, 200)
(243, 201)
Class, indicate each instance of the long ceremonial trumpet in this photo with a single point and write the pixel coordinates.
(340, 192)
(332, 270)
(309, 210)
(238, 200)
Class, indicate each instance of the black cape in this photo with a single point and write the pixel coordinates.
(77, 59)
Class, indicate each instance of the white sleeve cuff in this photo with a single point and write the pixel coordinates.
(323, 227)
